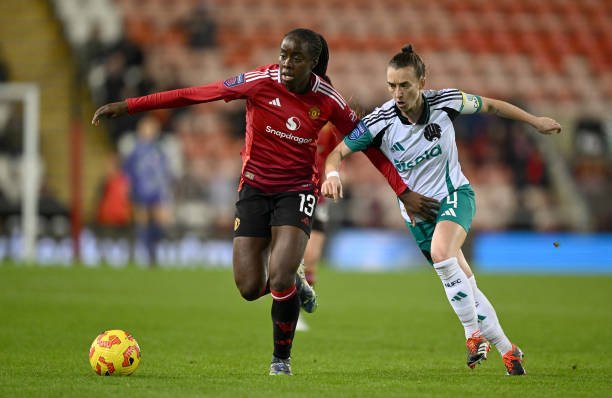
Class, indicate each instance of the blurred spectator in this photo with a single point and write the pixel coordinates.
(93, 51)
(592, 166)
(509, 174)
(496, 196)
(212, 162)
(132, 52)
(150, 185)
(201, 28)
(590, 138)
(115, 76)
(113, 212)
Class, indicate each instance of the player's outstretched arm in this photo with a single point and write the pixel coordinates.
(543, 124)
(164, 100)
(110, 111)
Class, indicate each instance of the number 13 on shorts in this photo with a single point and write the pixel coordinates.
(307, 203)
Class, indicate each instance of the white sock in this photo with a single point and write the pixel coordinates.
(459, 293)
(489, 323)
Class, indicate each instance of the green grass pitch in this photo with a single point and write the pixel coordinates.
(374, 335)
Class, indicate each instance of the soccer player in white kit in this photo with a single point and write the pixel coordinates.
(415, 131)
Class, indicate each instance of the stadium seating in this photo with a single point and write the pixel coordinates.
(554, 57)
(465, 40)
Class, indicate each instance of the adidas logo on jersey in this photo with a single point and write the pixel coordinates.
(397, 147)
(449, 212)
(275, 102)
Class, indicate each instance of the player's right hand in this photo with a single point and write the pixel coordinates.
(546, 125)
(419, 205)
(332, 188)
(110, 111)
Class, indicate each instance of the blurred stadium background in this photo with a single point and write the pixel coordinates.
(553, 57)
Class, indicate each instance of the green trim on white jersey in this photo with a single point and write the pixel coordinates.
(425, 153)
(360, 143)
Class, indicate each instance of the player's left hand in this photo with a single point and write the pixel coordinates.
(419, 205)
(546, 125)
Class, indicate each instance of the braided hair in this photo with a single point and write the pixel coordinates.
(318, 48)
(407, 57)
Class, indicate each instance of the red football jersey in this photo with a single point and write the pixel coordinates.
(281, 127)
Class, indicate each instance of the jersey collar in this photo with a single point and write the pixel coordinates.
(424, 115)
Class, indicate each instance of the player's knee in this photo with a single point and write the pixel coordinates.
(439, 254)
(282, 282)
(250, 288)
(250, 293)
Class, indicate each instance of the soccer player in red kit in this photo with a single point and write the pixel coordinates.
(286, 106)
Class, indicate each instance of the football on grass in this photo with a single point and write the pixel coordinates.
(114, 353)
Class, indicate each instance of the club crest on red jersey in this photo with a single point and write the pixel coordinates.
(314, 112)
(234, 81)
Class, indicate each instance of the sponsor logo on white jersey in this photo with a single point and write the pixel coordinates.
(427, 155)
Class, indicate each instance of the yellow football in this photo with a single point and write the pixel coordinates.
(114, 352)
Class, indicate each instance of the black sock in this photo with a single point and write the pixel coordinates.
(285, 314)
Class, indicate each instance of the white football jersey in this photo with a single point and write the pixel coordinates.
(424, 153)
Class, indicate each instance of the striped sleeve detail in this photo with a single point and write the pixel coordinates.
(444, 96)
(375, 117)
(325, 88)
(256, 75)
(315, 86)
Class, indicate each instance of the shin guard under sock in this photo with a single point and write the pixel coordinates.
(459, 293)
